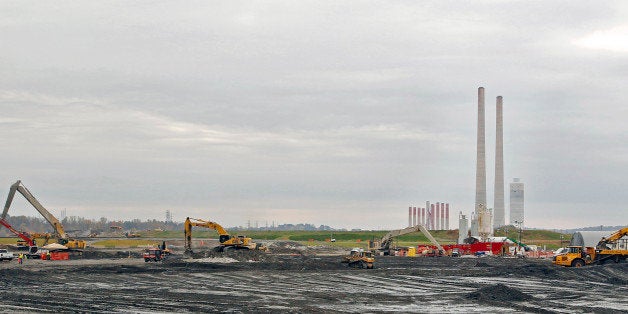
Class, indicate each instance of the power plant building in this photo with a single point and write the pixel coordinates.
(516, 202)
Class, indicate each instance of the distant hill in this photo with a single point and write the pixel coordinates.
(596, 228)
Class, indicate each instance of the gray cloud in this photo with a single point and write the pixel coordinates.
(333, 113)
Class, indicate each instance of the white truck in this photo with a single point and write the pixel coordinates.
(5, 255)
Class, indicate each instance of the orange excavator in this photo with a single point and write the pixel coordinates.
(226, 241)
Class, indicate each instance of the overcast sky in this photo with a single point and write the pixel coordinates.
(326, 112)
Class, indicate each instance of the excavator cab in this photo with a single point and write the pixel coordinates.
(224, 238)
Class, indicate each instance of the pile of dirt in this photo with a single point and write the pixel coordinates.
(237, 255)
(499, 293)
(481, 264)
(290, 247)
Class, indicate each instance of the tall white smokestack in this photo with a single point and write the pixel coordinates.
(498, 206)
(480, 170)
(485, 226)
(410, 216)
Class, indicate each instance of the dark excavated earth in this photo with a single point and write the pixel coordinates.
(301, 280)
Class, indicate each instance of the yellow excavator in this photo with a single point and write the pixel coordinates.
(59, 232)
(611, 248)
(226, 241)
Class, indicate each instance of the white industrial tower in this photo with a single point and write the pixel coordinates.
(516, 203)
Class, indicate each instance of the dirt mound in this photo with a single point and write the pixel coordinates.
(481, 264)
(500, 293)
(238, 255)
(289, 247)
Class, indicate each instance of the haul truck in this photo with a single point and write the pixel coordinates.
(59, 232)
(611, 248)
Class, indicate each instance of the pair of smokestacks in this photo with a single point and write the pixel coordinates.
(486, 222)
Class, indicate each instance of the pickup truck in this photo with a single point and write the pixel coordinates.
(5, 255)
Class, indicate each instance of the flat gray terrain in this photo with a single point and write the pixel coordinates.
(308, 283)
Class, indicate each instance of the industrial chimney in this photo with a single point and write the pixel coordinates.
(498, 205)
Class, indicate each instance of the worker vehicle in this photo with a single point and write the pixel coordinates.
(226, 240)
(59, 231)
(359, 258)
(156, 254)
(612, 248)
(5, 255)
(153, 254)
(387, 240)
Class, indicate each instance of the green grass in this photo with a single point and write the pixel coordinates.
(345, 239)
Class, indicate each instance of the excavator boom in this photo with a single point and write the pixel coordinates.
(52, 220)
(617, 235)
(24, 237)
(387, 239)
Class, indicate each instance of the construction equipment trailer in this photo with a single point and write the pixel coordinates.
(612, 248)
(226, 240)
(59, 232)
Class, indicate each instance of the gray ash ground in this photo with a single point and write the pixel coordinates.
(299, 280)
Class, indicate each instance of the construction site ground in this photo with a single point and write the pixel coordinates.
(301, 279)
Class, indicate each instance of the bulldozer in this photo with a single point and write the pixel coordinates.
(359, 258)
(227, 241)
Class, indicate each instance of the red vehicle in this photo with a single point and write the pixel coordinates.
(153, 254)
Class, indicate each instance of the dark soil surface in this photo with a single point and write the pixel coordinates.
(299, 280)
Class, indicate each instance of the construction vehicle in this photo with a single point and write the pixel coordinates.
(611, 248)
(59, 232)
(359, 258)
(156, 254)
(226, 241)
(386, 242)
(25, 239)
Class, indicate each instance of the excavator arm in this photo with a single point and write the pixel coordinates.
(194, 222)
(17, 233)
(388, 238)
(52, 220)
(612, 238)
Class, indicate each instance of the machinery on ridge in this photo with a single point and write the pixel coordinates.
(387, 239)
(59, 232)
(226, 240)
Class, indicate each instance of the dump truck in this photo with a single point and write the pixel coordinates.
(59, 231)
(613, 248)
(359, 258)
(226, 240)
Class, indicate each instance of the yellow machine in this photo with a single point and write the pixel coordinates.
(611, 248)
(359, 258)
(59, 232)
(226, 241)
